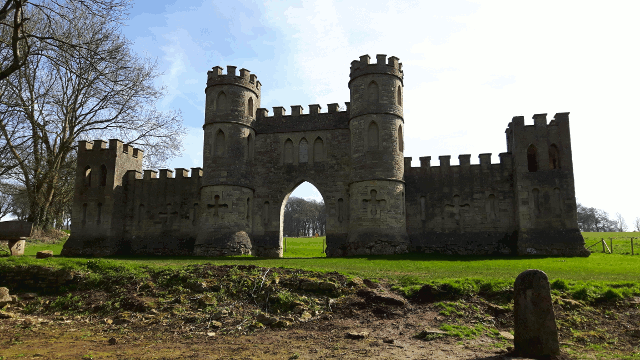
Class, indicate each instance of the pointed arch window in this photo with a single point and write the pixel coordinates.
(220, 145)
(373, 136)
(303, 151)
(250, 107)
(318, 149)
(532, 158)
(400, 139)
(399, 95)
(87, 176)
(103, 175)
(373, 92)
(554, 157)
(288, 152)
(221, 105)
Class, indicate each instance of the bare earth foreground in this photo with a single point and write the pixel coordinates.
(309, 316)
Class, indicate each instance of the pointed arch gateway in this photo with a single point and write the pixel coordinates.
(303, 213)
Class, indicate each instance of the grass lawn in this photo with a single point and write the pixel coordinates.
(306, 253)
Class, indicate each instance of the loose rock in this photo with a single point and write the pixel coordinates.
(357, 335)
(113, 341)
(382, 297)
(44, 254)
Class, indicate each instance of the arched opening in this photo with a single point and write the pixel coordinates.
(87, 176)
(554, 157)
(250, 107)
(304, 218)
(373, 136)
(220, 143)
(303, 151)
(400, 139)
(318, 149)
(373, 92)
(221, 105)
(288, 152)
(103, 175)
(399, 95)
(532, 158)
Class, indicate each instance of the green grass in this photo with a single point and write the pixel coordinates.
(303, 247)
(600, 276)
(621, 241)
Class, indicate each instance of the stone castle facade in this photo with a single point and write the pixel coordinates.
(376, 202)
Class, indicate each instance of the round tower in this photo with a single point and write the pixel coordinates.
(226, 196)
(377, 190)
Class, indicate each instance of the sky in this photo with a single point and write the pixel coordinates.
(469, 67)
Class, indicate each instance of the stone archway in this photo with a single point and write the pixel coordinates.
(289, 190)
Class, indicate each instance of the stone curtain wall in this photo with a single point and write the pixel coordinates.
(461, 209)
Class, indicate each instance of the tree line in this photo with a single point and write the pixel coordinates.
(597, 220)
(67, 73)
(304, 218)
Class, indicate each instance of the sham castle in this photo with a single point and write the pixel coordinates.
(375, 202)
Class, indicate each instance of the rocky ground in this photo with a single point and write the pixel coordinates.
(247, 312)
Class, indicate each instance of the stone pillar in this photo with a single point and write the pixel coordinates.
(535, 328)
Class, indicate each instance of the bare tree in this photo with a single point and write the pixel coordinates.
(636, 223)
(20, 41)
(95, 87)
(5, 201)
(621, 225)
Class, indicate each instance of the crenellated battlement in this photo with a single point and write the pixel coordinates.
(299, 121)
(168, 174)
(382, 66)
(115, 145)
(245, 79)
(464, 162)
(540, 120)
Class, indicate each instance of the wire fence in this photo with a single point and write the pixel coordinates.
(623, 245)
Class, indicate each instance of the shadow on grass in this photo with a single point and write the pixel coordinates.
(400, 257)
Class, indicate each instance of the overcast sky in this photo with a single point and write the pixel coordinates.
(469, 67)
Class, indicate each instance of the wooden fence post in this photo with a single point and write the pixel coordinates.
(631, 246)
(285, 244)
(602, 245)
(611, 243)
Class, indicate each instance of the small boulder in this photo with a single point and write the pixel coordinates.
(215, 324)
(44, 254)
(507, 335)
(266, 319)
(113, 341)
(29, 296)
(355, 282)
(357, 335)
(281, 324)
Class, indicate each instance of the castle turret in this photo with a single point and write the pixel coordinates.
(226, 196)
(543, 179)
(98, 218)
(377, 190)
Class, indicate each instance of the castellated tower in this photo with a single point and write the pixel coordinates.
(227, 193)
(377, 189)
(543, 177)
(98, 218)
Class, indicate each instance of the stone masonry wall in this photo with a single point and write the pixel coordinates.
(461, 209)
